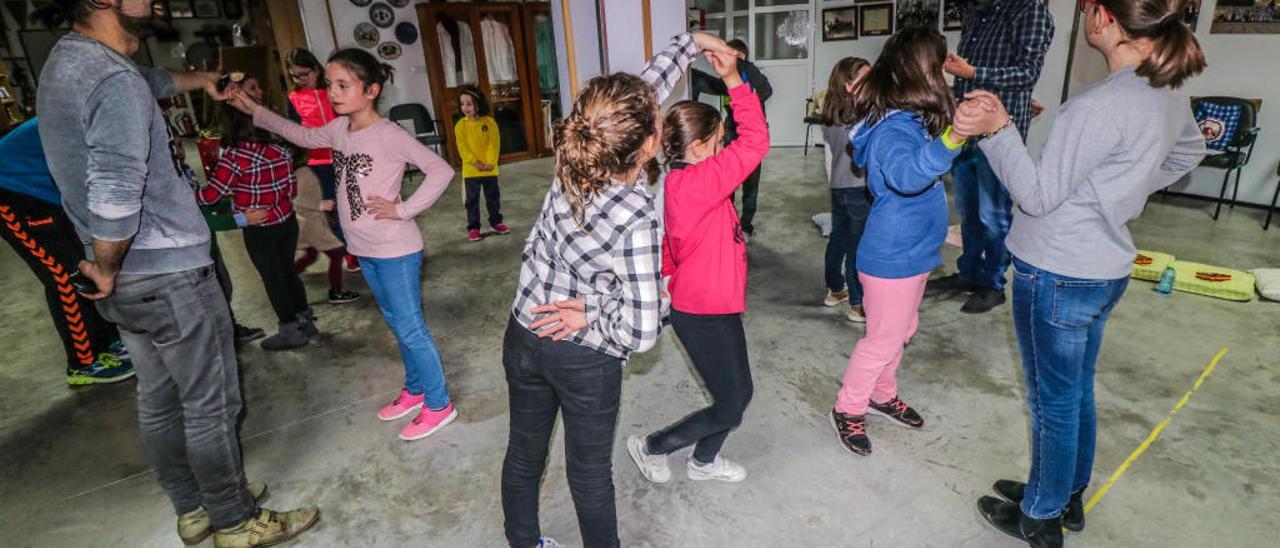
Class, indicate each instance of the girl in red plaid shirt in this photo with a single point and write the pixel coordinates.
(258, 175)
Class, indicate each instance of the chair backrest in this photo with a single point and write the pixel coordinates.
(419, 114)
(1248, 116)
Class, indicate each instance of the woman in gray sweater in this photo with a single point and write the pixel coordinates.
(1111, 147)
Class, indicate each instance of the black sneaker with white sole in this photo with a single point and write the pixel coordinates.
(852, 432)
(1072, 515)
(899, 411)
(340, 296)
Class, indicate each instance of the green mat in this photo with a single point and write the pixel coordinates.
(1151, 272)
(1238, 288)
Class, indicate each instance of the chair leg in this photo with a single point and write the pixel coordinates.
(1271, 210)
(1226, 178)
(807, 129)
(1236, 191)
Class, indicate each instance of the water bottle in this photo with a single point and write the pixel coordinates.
(1166, 281)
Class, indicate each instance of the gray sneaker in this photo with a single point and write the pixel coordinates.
(194, 526)
(292, 335)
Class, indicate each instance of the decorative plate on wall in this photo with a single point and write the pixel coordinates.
(389, 50)
(406, 33)
(381, 15)
(361, 3)
(399, 3)
(366, 35)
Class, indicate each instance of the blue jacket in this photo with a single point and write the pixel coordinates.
(908, 221)
(23, 169)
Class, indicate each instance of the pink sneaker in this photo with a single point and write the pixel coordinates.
(473, 234)
(404, 404)
(501, 228)
(428, 422)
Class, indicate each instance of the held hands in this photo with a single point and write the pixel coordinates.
(710, 43)
(483, 166)
(726, 66)
(959, 67)
(105, 281)
(564, 319)
(237, 98)
(981, 113)
(382, 208)
(1036, 108)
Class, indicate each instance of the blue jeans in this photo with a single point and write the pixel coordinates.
(850, 208)
(1060, 321)
(396, 287)
(986, 211)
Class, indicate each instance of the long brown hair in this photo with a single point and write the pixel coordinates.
(837, 107)
(602, 136)
(687, 123)
(237, 126)
(908, 76)
(1176, 55)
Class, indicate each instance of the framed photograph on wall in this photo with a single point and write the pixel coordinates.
(231, 9)
(840, 24)
(876, 20)
(1245, 17)
(181, 9)
(207, 9)
(918, 13)
(953, 14)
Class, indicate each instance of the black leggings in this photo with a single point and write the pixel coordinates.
(717, 345)
(271, 248)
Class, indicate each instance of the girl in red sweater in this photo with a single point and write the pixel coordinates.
(705, 255)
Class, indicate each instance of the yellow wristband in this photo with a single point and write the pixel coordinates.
(948, 141)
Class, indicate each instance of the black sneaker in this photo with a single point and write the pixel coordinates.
(899, 411)
(852, 432)
(245, 333)
(340, 296)
(1072, 516)
(983, 300)
(1009, 519)
(948, 287)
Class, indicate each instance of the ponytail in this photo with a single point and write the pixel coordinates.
(1176, 54)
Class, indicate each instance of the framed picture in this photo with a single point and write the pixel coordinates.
(231, 9)
(953, 14)
(840, 24)
(918, 13)
(1245, 17)
(207, 9)
(181, 9)
(868, 1)
(876, 20)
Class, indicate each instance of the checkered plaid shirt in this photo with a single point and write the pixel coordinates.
(257, 175)
(1006, 47)
(612, 260)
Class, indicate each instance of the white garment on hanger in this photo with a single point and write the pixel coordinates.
(453, 78)
(499, 51)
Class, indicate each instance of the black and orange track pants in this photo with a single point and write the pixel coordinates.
(42, 235)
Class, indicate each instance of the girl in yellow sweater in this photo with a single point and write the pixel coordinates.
(476, 134)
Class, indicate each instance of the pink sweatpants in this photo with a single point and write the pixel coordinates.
(893, 313)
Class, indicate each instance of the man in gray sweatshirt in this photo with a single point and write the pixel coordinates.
(148, 248)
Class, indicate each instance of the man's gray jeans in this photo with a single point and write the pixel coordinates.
(177, 328)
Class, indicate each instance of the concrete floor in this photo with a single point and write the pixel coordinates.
(74, 473)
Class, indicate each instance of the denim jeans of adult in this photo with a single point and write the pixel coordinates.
(986, 212)
(178, 331)
(397, 287)
(545, 378)
(717, 345)
(1060, 321)
(850, 208)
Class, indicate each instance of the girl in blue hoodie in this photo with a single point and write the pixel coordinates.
(902, 138)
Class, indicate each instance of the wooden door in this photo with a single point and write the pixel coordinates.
(481, 45)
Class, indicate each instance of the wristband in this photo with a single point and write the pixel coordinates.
(949, 141)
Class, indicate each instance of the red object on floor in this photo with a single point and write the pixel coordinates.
(210, 151)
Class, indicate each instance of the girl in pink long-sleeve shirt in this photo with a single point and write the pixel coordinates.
(369, 157)
(706, 256)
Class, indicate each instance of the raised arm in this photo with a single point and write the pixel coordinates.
(438, 174)
(320, 137)
(718, 177)
(630, 317)
(1081, 139)
(666, 68)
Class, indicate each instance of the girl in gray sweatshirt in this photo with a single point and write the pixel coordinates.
(1112, 146)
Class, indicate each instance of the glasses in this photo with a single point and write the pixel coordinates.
(295, 76)
(1084, 6)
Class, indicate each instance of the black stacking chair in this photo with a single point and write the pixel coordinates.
(1238, 151)
(425, 129)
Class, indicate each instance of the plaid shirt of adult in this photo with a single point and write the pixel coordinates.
(1006, 47)
(258, 176)
(612, 259)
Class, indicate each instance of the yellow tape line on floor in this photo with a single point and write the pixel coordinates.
(1151, 438)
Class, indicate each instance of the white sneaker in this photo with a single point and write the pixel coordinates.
(653, 467)
(857, 314)
(722, 469)
(835, 297)
(548, 542)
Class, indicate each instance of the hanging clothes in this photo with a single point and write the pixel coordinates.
(499, 51)
(545, 46)
(457, 54)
